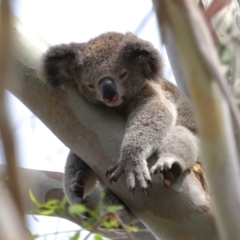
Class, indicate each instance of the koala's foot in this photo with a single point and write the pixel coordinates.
(169, 167)
(77, 184)
(134, 172)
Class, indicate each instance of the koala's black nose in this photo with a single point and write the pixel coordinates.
(108, 90)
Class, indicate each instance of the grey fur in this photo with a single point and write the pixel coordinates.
(159, 116)
(79, 179)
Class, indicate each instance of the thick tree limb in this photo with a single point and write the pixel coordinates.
(203, 73)
(5, 69)
(95, 134)
(12, 224)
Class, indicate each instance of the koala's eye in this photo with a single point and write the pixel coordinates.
(123, 74)
(90, 86)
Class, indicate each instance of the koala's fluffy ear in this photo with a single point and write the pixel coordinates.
(143, 52)
(60, 62)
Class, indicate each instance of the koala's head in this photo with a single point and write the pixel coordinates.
(108, 69)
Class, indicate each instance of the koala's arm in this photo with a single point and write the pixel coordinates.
(158, 123)
(147, 125)
(79, 179)
(178, 152)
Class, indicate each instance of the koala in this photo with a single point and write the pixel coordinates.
(126, 72)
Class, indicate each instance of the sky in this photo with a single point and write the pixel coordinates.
(65, 21)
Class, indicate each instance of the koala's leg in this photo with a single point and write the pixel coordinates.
(79, 179)
(178, 152)
(147, 125)
(110, 199)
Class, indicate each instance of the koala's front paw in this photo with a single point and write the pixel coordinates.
(169, 167)
(77, 184)
(134, 172)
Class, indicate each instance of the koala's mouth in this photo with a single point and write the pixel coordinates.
(110, 99)
(115, 103)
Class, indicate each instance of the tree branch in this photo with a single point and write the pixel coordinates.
(204, 76)
(95, 134)
(5, 69)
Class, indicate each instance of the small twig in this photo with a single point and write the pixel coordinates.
(95, 226)
(144, 22)
(89, 234)
(124, 226)
(215, 7)
(57, 233)
(58, 222)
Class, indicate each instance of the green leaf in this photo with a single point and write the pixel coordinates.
(75, 236)
(86, 224)
(132, 228)
(52, 202)
(33, 199)
(46, 211)
(94, 214)
(111, 224)
(114, 208)
(97, 237)
(77, 209)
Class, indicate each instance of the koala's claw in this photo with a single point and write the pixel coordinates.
(113, 179)
(114, 173)
(169, 168)
(162, 165)
(132, 190)
(145, 192)
(132, 175)
(143, 179)
(149, 183)
(111, 170)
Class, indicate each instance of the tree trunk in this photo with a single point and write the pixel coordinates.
(211, 100)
